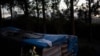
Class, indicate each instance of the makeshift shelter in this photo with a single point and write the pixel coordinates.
(41, 44)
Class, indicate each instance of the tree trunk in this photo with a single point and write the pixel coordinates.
(0, 15)
(37, 9)
(53, 15)
(90, 21)
(90, 11)
(11, 12)
(26, 8)
(72, 17)
(44, 19)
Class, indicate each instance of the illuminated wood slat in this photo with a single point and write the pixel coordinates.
(56, 54)
(66, 54)
(48, 49)
(64, 45)
(54, 51)
(64, 50)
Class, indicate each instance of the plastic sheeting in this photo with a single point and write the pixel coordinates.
(49, 40)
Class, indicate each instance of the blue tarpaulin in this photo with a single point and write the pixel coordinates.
(13, 29)
(49, 40)
(71, 41)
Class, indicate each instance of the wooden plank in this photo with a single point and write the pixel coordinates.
(56, 50)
